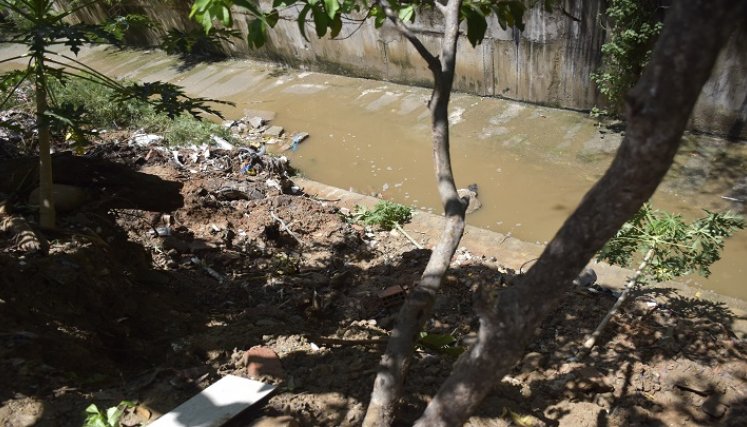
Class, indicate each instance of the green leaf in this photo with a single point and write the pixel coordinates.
(407, 13)
(378, 14)
(436, 340)
(301, 21)
(332, 6)
(335, 27)
(92, 409)
(257, 33)
(271, 18)
(321, 21)
(476, 24)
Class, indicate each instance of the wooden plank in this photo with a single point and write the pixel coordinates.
(217, 404)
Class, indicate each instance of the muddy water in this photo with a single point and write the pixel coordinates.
(532, 164)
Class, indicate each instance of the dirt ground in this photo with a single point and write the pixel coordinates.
(150, 307)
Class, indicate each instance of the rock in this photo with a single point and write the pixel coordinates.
(274, 131)
(262, 361)
(713, 406)
(586, 279)
(66, 197)
(281, 421)
(532, 362)
(266, 115)
(256, 122)
(474, 203)
(590, 380)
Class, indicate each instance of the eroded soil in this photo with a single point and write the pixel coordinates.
(151, 307)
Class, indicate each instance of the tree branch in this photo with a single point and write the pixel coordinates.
(592, 339)
(658, 110)
(418, 306)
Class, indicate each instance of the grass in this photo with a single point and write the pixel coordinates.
(103, 113)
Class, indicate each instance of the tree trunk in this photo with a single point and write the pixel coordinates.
(658, 109)
(418, 306)
(46, 202)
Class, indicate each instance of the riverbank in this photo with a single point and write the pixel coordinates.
(253, 277)
(531, 163)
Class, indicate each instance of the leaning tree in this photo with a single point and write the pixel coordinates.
(658, 108)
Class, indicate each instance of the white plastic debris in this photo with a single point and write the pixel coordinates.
(221, 143)
(144, 140)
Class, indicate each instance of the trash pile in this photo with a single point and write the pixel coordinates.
(219, 155)
(257, 132)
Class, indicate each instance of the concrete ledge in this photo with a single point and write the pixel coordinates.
(511, 252)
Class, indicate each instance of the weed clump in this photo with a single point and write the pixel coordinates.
(385, 214)
(93, 103)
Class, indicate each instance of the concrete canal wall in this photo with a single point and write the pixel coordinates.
(549, 63)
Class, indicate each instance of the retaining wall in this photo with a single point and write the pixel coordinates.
(549, 63)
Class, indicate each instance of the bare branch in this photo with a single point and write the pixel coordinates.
(418, 306)
(441, 8)
(592, 339)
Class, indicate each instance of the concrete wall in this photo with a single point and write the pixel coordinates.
(548, 63)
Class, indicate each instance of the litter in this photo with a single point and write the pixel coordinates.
(221, 143)
(144, 140)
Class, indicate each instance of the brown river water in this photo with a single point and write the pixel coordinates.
(532, 164)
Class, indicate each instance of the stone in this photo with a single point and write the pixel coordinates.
(532, 362)
(587, 278)
(266, 115)
(274, 131)
(281, 421)
(474, 202)
(66, 197)
(262, 361)
(256, 122)
(713, 406)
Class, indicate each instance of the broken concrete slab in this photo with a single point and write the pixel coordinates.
(274, 131)
(256, 122)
